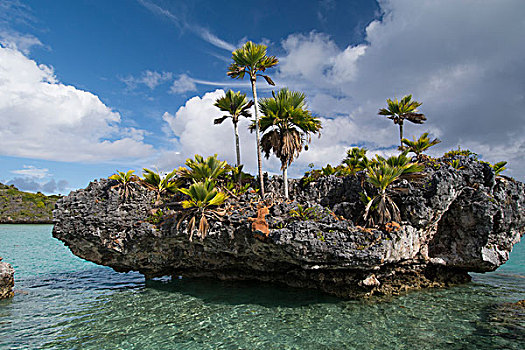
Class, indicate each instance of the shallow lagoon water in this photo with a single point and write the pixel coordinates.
(63, 302)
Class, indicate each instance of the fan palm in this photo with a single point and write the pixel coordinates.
(403, 162)
(287, 125)
(251, 59)
(420, 145)
(159, 184)
(499, 167)
(125, 179)
(202, 169)
(203, 197)
(236, 104)
(399, 111)
(355, 160)
(381, 175)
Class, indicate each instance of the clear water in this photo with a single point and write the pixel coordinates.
(64, 302)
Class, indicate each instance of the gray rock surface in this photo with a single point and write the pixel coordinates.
(454, 221)
(7, 280)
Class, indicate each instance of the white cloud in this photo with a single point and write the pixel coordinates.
(17, 41)
(32, 171)
(42, 118)
(186, 83)
(183, 84)
(465, 63)
(194, 131)
(151, 79)
(213, 39)
(182, 24)
(315, 57)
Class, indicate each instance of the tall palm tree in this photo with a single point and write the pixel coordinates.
(287, 125)
(236, 104)
(251, 59)
(399, 111)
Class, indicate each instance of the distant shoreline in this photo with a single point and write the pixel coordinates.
(21, 222)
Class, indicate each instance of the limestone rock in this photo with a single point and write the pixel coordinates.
(7, 280)
(453, 221)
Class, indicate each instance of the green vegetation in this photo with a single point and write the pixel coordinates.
(399, 111)
(400, 161)
(202, 169)
(24, 207)
(355, 160)
(125, 180)
(160, 184)
(251, 59)
(382, 173)
(286, 124)
(203, 198)
(461, 152)
(156, 218)
(499, 167)
(456, 164)
(305, 213)
(382, 176)
(420, 145)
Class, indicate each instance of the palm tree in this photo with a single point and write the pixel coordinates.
(420, 145)
(400, 161)
(499, 167)
(381, 176)
(124, 182)
(288, 125)
(399, 111)
(236, 104)
(355, 160)
(251, 59)
(202, 169)
(202, 203)
(160, 184)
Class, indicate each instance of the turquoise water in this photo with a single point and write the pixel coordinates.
(64, 302)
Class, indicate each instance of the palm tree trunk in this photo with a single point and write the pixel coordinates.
(259, 160)
(401, 133)
(238, 150)
(285, 180)
(237, 147)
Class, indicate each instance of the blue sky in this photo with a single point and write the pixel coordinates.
(87, 87)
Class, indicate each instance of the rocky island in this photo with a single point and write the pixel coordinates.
(19, 207)
(457, 217)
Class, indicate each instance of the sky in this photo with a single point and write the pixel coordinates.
(89, 87)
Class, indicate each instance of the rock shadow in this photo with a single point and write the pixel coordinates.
(242, 292)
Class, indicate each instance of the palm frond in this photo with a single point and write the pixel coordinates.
(418, 146)
(403, 109)
(250, 58)
(499, 167)
(287, 125)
